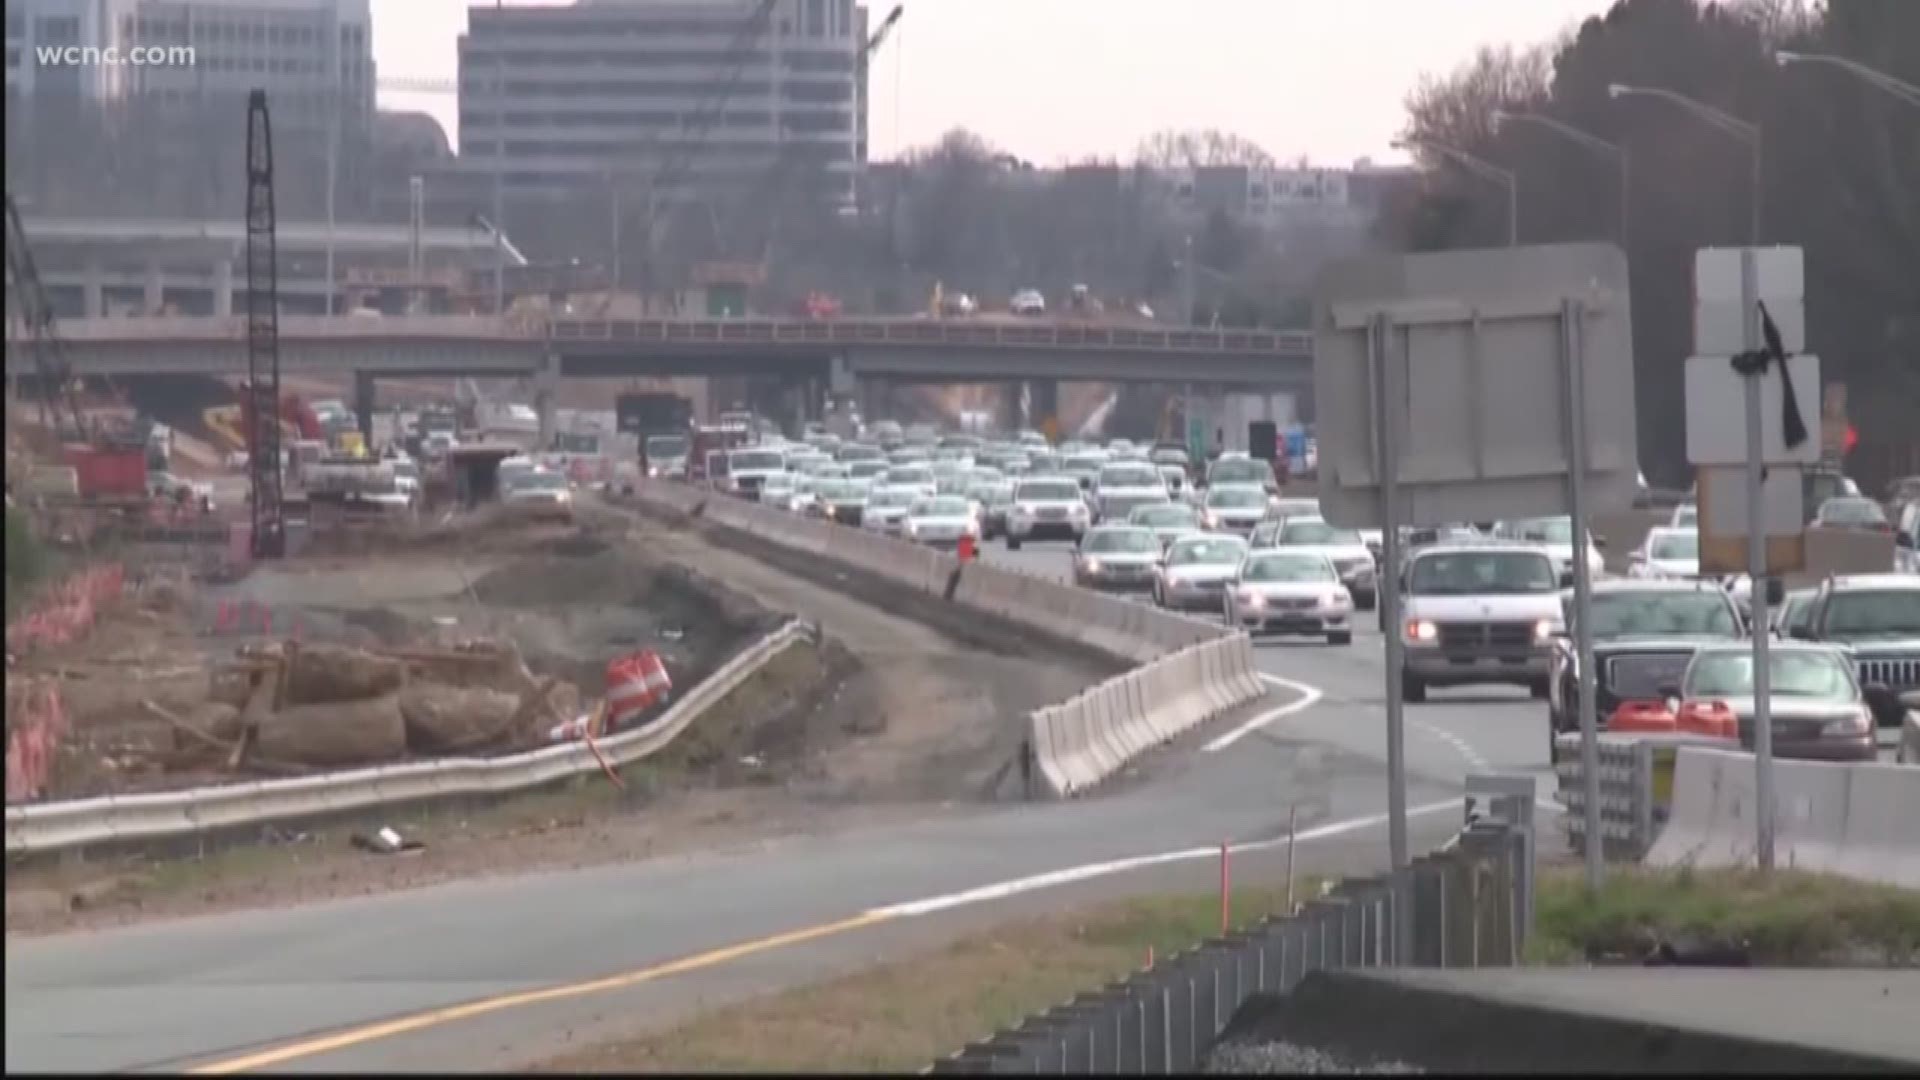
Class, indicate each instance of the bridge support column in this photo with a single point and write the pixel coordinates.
(93, 291)
(156, 290)
(1043, 402)
(223, 288)
(546, 382)
(364, 401)
(874, 395)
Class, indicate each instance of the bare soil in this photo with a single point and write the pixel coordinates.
(884, 719)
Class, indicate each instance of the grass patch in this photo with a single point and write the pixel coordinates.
(900, 1016)
(1788, 918)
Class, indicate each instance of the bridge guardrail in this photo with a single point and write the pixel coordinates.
(201, 813)
(1191, 671)
(1469, 906)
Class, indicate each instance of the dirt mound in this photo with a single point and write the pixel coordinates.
(449, 720)
(324, 674)
(338, 735)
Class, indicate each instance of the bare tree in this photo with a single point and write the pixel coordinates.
(1173, 149)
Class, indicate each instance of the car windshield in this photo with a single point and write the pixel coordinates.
(866, 469)
(1876, 613)
(1130, 476)
(1209, 552)
(860, 453)
(756, 459)
(778, 482)
(1853, 512)
(1676, 545)
(1288, 568)
(1801, 673)
(838, 490)
(1236, 498)
(1482, 573)
(1239, 471)
(891, 498)
(1049, 491)
(1122, 540)
(1312, 531)
(1161, 517)
(945, 506)
(1687, 515)
(541, 481)
(666, 446)
(1663, 613)
(1083, 464)
(1547, 531)
(915, 475)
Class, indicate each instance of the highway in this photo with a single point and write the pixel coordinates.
(487, 974)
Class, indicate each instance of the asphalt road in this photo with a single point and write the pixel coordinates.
(1456, 732)
(296, 988)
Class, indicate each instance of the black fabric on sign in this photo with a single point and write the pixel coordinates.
(1793, 429)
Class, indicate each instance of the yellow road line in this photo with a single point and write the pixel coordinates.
(434, 1018)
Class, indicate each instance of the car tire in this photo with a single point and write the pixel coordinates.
(1366, 601)
(1539, 689)
(1412, 689)
(1159, 598)
(1013, 542)
(1340, 637)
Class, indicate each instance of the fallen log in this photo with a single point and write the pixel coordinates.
(450, 720)
(324, 674)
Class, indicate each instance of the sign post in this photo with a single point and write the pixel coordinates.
(1502, 431)
(1749, 322)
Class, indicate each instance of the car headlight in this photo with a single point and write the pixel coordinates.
(1543, 630)
(1093, 566)
(1334, 599)
(1422, 630)
(1252, 599)
(1859, 723)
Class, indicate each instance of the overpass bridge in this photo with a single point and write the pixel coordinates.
(830, 351)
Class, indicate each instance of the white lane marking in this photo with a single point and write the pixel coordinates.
(1056, 878)
(1309, 696)
(1462, 746)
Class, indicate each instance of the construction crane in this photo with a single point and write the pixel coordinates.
(36, 314)
(263, 339)
(765, 193)
(693, 130)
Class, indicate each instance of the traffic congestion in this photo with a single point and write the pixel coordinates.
(1234, 537)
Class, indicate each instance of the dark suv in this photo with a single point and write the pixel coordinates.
(1645, 632)
(1877, 616)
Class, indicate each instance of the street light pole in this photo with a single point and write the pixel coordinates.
(1482, 168)
(499, 168)
(1592, 142)
(334, 104)
(1746, 132)
(1880, 80)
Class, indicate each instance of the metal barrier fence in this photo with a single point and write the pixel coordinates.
(1636, 789)
(1470, 907)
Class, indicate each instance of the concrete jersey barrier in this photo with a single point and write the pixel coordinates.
(131, 819)
(1190, 671)
(1853, 819)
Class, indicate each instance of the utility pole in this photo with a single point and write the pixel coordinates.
(499, 169)
(333, 104)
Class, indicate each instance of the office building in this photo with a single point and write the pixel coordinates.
(198, 53)
(672, 95)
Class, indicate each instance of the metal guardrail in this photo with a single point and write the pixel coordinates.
(1636, 789)
(200, 812)
(193, 328)
(1470, 908)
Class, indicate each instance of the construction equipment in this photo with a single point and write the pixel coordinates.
(269, 539)
(36, 313)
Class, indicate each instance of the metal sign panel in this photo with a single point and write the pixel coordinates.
(1478, 344)
(1719, 316)
(1724, 533)
(1717, 412)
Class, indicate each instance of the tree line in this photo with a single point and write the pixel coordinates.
(1839, 176)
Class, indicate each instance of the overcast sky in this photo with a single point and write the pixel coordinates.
(1056, 80)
